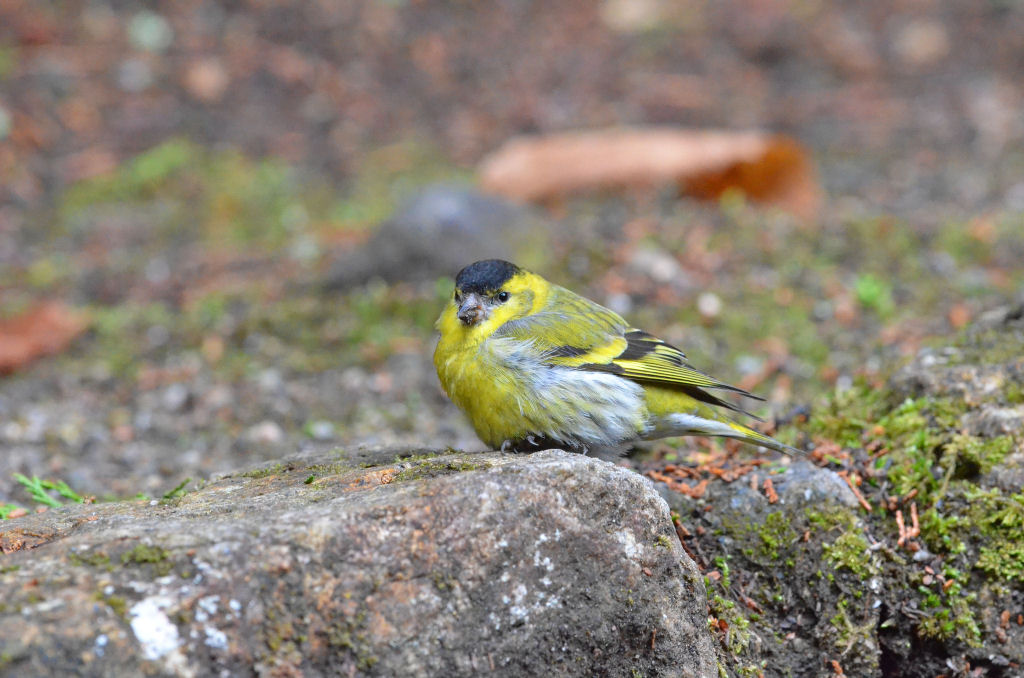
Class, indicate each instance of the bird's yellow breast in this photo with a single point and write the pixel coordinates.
(473, 376)
(495, 398)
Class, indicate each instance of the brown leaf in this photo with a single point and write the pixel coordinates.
(46, 329)
(704, 164)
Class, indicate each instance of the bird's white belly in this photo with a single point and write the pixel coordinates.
(596, 409)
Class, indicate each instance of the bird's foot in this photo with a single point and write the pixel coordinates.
(527, 444)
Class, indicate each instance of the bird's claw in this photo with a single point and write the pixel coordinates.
(533, 441)
(506, 446)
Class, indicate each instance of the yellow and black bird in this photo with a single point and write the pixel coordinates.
(535, 365)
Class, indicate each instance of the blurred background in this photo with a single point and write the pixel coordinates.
(226, 228)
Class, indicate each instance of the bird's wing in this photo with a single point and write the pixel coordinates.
(572, 331)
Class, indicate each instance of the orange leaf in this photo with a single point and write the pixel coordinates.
(767, 168)
(46, 329)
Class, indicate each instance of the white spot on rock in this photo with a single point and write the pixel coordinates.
(155, 632)
(207, 607)
(629, 545)
(216, 638)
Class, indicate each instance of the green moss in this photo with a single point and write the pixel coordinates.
(118, 604)
(350, 634)
(726, 621)
(1013, 393)
(1001, 522)
(850, 550)
(433, 469)
(178, 492)
(663, 541)
(143, 554)
(767, 538)
(950, 615)
(331, 469)
(848, 633)
(941, 531)
(846, 417)
(875, 293)
(93, 559)
(266, 471)
(735, 636)
(835, 518)
(752, 670)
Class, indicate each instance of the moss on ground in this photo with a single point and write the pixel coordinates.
(921, 461)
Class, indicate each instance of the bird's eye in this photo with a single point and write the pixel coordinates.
(503, 296)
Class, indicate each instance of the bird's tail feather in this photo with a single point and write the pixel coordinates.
(678, 424)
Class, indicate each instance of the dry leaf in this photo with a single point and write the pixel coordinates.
(705, 164)
(46, 329)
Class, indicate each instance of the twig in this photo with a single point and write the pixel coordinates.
(856, 492)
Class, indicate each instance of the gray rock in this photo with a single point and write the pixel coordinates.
(435, 233)
(992, 421)
(453, 565)
(802, 485)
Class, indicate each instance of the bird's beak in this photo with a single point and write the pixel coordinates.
(471, 310)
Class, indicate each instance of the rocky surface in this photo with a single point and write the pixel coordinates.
(362, 564)
(918, 572)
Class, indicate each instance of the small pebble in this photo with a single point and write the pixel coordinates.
(150, 31)
(321, 430)
(176, 397)
(270, 380)
(134, 75)
(265, 432)
(709, 304)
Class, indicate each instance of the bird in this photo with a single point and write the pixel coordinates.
(535, 366)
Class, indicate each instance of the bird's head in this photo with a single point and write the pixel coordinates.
(488, 294)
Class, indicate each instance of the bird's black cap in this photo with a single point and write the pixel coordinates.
(485, 276)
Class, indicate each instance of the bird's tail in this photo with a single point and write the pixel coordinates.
(678, 424)
(749, 435)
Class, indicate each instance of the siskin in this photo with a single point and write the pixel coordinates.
(535, 365)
